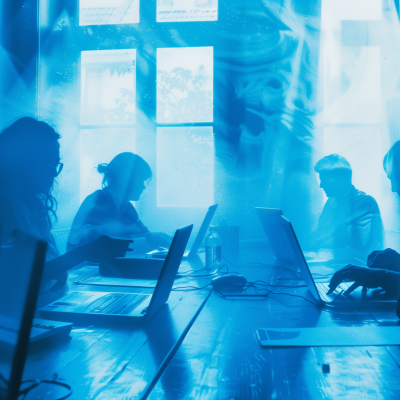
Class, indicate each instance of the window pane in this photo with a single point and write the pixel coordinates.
(185, 167)
(98, 146)
(185, 85)
(108, 80)
(103, 12)
(187, 10)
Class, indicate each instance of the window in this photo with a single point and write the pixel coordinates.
(105, 12)
(185, 97)
(108, 87)
(187, 10)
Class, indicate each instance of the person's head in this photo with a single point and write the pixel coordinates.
(335, 175)
(126, 174)
(391, 165)
(29, 158)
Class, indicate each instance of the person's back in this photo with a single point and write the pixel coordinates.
(98, 215)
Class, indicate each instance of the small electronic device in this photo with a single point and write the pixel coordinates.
(230, 282)
(41, 329)
(162, 252)
(93, 305)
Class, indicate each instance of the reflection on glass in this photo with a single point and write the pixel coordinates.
(99, 146)
(108, 86)
(187, 10)
(185, 85)
(105, 12)
(185, 167)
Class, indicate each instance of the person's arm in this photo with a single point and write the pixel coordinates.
(367, 277)
(103, 248)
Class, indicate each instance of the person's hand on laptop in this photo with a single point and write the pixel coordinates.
(386, 259)
(364, 276)
(105, 248)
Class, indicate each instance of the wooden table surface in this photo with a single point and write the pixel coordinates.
(117, 360)
(220, 358)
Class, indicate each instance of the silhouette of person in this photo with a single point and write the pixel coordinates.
(383, 270)
(350, 224)
(29, 164)
(109, 211)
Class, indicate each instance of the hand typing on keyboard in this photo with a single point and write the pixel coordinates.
(364, 276)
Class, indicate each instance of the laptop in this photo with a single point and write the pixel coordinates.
(319, 290)
(162, 252)
(21, 260)
(92, 305)
(271, 222)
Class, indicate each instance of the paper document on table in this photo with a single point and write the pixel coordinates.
(329, 337)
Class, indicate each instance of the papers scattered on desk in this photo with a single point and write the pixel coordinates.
(329, 337)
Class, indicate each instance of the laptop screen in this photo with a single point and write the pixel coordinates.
(169, 270)
(20, 273)
(271, 222)
(203, 230)
(294, 244)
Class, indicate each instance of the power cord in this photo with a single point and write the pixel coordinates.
(265, 265)
(189, 288)
(36, 383)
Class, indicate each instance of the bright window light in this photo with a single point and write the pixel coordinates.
(185, 167)
(108, 87)
(185, 85)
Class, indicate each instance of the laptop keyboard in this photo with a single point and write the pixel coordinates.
(323, 289)
(116, 303)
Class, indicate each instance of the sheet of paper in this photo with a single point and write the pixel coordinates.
(329, 337)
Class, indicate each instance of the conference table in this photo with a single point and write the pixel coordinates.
(204, 346)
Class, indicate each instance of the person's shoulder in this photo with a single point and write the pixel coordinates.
(95, 202)
(365, 198)
(97, 197)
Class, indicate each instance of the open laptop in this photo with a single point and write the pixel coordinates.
(21, 260)
(162, 252)
(92, 305)
(271, 222)
(319, 289)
